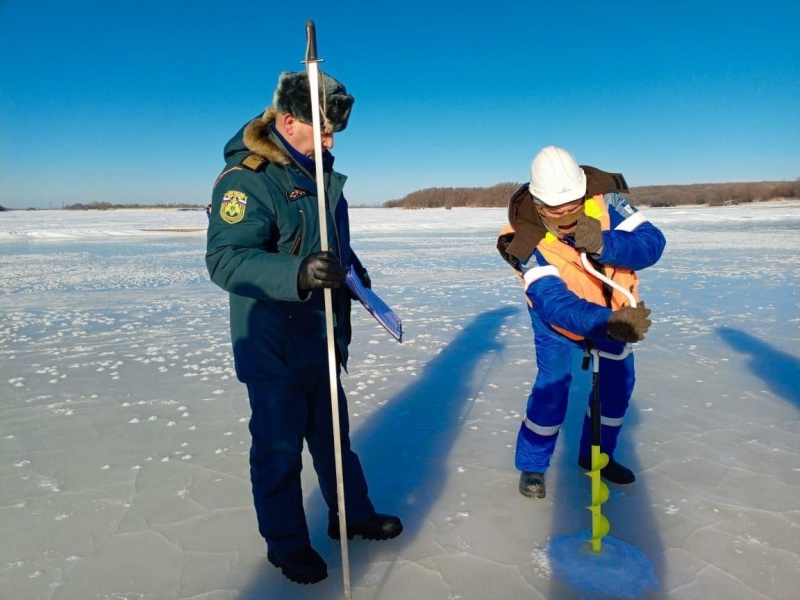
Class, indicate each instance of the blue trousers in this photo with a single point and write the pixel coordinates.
(284, 414)
(547, 403)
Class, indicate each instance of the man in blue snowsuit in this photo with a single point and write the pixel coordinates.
(563, 212)
(263, 248)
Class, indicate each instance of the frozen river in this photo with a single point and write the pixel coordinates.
(123, 430)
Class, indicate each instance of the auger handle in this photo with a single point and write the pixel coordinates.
(588, 266)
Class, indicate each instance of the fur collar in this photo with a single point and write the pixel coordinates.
(258, 140)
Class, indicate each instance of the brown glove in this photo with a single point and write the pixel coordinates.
(629, 324)
(588, 234)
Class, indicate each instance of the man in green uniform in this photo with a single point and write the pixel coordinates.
(264, 249)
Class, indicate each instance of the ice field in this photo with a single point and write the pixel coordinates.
(124, 442)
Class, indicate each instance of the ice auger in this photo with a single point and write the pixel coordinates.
(600, 524)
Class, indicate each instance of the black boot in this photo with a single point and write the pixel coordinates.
(613, 471)
(301, 566)
(531, 484)
(377, 527)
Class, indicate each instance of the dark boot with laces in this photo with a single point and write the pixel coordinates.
(531, 484)
(377, 527)
(301, 566)
(613, 471)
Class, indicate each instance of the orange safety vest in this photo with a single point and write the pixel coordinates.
(567, 260)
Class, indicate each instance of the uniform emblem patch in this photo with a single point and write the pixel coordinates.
(233, 206)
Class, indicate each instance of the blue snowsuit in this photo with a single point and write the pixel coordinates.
(632, 243)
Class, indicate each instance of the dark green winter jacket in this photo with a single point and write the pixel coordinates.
(264, 220)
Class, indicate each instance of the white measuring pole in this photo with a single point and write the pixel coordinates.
(313, 82)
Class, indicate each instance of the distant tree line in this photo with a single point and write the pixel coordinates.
(494, 196)
(713, 194)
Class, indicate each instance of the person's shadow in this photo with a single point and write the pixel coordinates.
(780, 371)
(403, 447)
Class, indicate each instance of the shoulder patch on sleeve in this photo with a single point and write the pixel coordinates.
(233, 206)
(254, 162)
(620, 204)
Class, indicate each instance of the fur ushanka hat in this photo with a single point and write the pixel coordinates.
(293, 96)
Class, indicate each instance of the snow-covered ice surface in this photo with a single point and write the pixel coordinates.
(123, 431)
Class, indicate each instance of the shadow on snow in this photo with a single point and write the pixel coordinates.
(780, 371)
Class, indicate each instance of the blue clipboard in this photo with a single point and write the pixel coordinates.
(381, 311)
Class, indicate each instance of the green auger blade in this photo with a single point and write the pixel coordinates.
(600, 491)
(600, 524)
(600, 528)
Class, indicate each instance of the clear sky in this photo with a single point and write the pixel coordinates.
(132, 102)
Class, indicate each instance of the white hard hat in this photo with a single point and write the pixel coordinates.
(556, 177)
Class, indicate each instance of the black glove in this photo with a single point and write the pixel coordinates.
(320, 270)
(366, 280)
(588, 234)
(629, 324)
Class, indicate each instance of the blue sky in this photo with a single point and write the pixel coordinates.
(133, 102)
